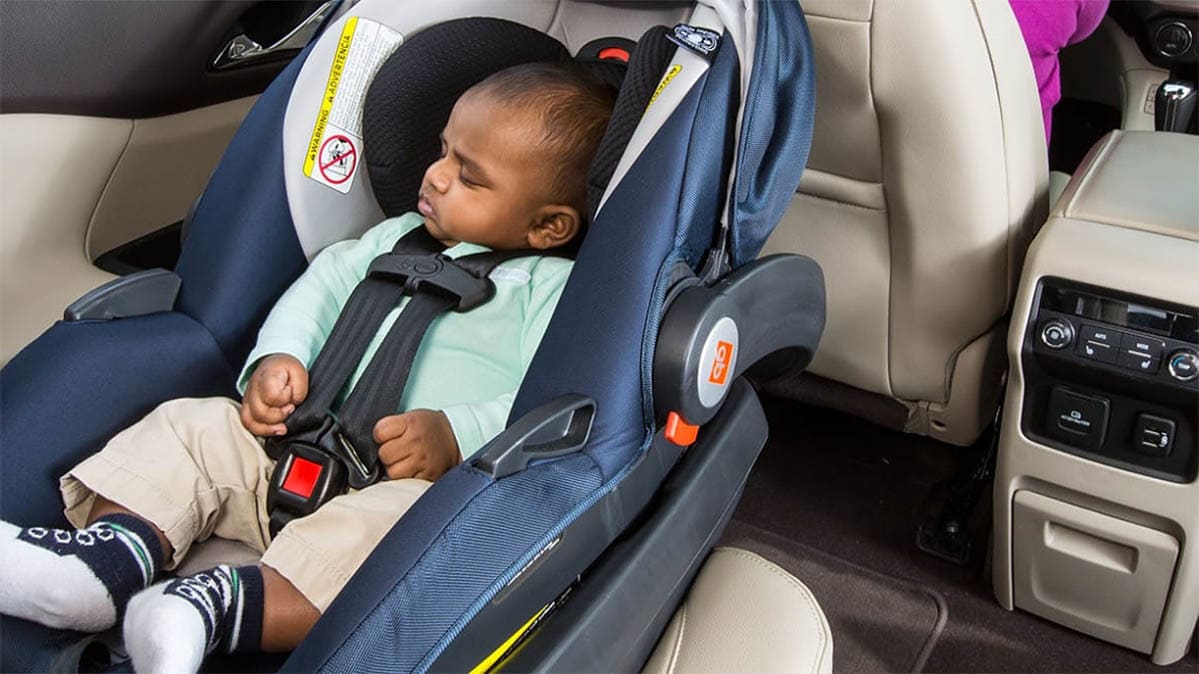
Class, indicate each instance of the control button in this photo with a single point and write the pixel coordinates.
(1172, 39)
(1184, 365)
(1153, 435)
(1139, 353)
(1099, 343)
(1056, 333)
(1077, 419)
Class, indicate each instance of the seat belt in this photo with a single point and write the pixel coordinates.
(325, 453)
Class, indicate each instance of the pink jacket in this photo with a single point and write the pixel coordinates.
(1048, 27)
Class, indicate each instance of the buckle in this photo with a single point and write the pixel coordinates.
(303, 480)
(311, 468)
(433, 273)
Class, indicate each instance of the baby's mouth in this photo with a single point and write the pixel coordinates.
(425, 208)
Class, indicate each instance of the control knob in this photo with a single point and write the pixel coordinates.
(1056, 333)
(1173, 39)
(1184, 365)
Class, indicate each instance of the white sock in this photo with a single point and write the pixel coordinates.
(77, 580)
(171, 626)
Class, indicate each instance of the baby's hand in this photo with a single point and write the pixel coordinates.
(278, 384)
(418, 443)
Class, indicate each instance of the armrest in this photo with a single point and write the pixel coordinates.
(710, 336)
(1143, 180)
(145, 292)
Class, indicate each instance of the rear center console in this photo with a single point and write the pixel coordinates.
(1096, 498)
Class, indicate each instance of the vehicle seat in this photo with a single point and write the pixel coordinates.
(745, 614)
(926, 181)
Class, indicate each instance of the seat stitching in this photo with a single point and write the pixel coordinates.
(843, 203)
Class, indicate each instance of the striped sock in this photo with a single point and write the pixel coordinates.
(173, 625)
(76, 579)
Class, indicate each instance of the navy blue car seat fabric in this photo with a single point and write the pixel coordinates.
(242, 251)
(81, 382)
(776, 130)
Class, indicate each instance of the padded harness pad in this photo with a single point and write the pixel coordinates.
(409, 102)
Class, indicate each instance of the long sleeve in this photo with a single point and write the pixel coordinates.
(302, 319)
(475, 424)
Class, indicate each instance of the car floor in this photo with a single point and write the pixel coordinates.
(838, 501)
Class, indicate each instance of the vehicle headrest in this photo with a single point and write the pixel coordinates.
(410, 99)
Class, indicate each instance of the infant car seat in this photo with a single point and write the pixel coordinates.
(568, 540)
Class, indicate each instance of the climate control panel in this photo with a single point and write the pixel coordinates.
(1114, 377)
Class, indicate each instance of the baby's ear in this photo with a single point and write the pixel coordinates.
(555, 226)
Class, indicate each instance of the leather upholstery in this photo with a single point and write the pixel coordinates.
(1121, 184)
(927, 178)
(745, 614)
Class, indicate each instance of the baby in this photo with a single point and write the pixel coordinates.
(512, 175)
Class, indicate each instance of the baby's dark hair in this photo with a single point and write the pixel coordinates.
(574, 107)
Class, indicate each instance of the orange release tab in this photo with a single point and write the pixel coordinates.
(678, 431)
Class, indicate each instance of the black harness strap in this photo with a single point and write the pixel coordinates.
(382, 385)
(372, 300)
(339, 450)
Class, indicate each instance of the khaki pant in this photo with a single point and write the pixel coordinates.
(194, 471)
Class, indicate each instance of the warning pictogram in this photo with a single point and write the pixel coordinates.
(337, 159)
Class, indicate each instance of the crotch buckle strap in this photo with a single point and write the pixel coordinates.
(433, 273)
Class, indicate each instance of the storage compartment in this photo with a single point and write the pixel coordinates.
(1097, 574)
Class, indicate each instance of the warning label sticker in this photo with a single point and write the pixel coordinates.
(336, 144)
(337, 159)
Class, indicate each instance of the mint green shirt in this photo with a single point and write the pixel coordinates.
(469, 365)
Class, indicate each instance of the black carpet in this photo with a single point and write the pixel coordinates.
(858, 492)
(879, 623)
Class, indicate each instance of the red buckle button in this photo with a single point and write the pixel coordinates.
(302, 476)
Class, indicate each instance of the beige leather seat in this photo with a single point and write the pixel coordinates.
(926, 181)
(744, 614)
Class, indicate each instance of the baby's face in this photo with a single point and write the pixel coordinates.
(489, 187)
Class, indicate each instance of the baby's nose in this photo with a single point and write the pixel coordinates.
(437, 177)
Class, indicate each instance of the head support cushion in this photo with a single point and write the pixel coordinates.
(410, 99)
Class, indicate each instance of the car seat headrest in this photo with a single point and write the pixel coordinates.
(647, 62)
(410, 99)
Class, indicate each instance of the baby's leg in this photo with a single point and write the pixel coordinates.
(303, 570)
(77, 579)
(188, 470)
(173, 625)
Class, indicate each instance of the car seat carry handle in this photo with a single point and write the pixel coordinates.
(554, 429)
(711, 335)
